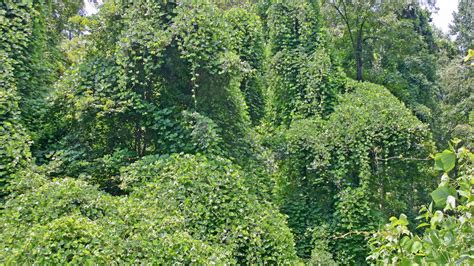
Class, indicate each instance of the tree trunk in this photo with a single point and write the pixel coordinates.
(138, 139)
(358, 57)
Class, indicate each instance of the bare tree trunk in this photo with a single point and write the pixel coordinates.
(358, 56)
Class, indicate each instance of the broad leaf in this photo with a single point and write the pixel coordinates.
(445, 161)
(440, 195)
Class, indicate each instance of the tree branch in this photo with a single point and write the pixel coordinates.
(346, 21)
(401, 158)
(351, 233)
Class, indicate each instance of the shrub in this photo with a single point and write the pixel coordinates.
(181, 209)
(69, 221)
(216, 205)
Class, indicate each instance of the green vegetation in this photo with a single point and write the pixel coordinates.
(448, 220)
(235, 132)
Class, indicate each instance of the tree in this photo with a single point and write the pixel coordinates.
(456, 97)
(14, 72)
(403, 60)
(390, 44)
(145, 81)
(463, 25)
(303, 78)
(15, 147)
(358, 16)
(246, 28)
(353, 169)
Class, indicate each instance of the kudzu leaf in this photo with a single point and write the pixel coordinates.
(445, 161)
(440, 195)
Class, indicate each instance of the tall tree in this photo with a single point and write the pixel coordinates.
(388, 43)
(358, 18)
(463, 25)
(303, 77)
(456, 99)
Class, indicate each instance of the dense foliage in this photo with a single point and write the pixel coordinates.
(303, 79)
(235, 132)
(448, 220)
(463, 22)
(354, 159)
(14, 152)
(185, 208)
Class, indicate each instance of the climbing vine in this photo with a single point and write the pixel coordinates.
(297, 44)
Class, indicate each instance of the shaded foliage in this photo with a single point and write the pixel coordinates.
(355, 159)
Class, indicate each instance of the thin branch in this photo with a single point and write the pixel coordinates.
(351, 233)
(346, 20)
(401, 158)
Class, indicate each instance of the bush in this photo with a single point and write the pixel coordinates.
(181, 209)
(210, 195)
(68, 221)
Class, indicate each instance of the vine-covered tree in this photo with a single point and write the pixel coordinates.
(15, 73)
(303, 79)
(175, 83)
(352, 170)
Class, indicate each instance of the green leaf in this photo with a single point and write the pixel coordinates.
(405, 262)
(406, 243)
(416, 246)
(403, 220)
(445, 161)
(440, 195)
(422, 225)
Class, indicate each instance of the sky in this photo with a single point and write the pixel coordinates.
(90, 9)
(445, 14)
(441, 19)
